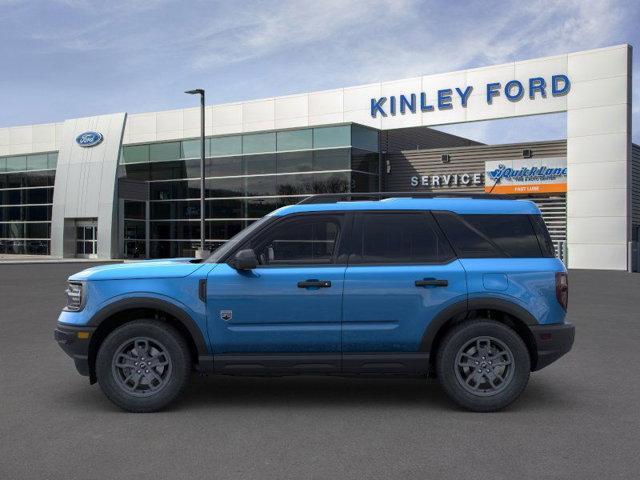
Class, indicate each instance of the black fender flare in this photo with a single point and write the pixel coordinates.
(132, 303)
(465, 306)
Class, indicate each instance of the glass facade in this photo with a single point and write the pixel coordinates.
(247, 176)
(26, 197)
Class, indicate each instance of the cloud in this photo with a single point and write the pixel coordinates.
(261, 48)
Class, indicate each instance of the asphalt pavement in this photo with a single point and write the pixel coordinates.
(578, 419)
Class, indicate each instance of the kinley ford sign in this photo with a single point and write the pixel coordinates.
(445, 99)
(518, 176)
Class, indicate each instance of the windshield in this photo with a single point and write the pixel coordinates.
(236, 240)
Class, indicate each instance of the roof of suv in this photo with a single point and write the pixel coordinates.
(457, 205)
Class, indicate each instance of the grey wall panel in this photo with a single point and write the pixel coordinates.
(85, 185)
(471, 159)
(635, 184)
(416, 138)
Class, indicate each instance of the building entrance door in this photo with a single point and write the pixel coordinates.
(87, 239)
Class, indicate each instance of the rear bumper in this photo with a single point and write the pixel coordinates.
(552, 342)
(75, 343)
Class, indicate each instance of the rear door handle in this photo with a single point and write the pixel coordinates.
(431, 282)
(314, 284)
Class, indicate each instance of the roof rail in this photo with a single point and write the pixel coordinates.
(352, 197)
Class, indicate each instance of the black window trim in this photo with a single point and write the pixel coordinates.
(540, 235)
(343, 233)
(357, 224)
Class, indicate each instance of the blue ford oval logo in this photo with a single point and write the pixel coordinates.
(89, 139)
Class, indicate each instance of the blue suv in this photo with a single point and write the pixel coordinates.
(467, 290)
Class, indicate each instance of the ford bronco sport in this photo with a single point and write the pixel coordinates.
(464, 289)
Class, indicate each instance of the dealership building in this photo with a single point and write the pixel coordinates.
(127, 185)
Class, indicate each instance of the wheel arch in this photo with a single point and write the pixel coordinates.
(504, 311)
(126, 310)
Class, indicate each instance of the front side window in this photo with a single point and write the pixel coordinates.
(397, 238)
(304, 240)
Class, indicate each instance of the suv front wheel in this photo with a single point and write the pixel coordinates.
(483, 365)
(143, 365)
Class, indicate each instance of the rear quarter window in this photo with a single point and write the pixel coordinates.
(487, 236)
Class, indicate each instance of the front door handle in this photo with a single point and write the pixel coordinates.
(314, 284)
(431, 282)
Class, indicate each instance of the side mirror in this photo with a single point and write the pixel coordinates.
(245, 260)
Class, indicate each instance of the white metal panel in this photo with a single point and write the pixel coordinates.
(598, 148)
(359, 98)
(598, 93)
(227, 119)
(258, 111)
(44, 133)
(598, 256)
(142, 124)
(595, 203)
(480, 77)
(500, 107)
(599, 229)
(292, 122)
(540, 67)
(326, 119)
(170, 121)
(258, 115)
(326, 103)
(21, 135)
(597, 176)
(362, 117)
(5, 137)
(598, 63)
(597, 120)
(292, 107)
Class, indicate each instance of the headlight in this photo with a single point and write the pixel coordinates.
(74, 297)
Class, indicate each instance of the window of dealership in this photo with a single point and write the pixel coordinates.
(247, 176)
(26, 196)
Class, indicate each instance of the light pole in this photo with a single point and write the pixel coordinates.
(202, 252)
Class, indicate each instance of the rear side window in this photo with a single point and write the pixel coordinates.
(398, 238)
(486, 236)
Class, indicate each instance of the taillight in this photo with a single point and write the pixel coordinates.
(562, 289)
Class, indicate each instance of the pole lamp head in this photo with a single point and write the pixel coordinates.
(197, 91)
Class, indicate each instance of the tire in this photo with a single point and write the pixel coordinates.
(502, 360)
(143, 366)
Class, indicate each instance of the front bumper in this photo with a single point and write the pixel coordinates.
(75, 343)
(552, 342)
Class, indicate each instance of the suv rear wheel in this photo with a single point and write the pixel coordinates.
(483, 365)
(143, 365)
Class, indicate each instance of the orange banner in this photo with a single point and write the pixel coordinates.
(527, 188)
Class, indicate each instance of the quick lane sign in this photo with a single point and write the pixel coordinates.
(446, 99)
(531, 175)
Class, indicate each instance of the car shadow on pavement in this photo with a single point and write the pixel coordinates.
(304, 392)
(308, 392)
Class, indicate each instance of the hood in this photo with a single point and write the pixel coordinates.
(165, 268)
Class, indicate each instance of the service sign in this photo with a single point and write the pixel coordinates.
(526, 175)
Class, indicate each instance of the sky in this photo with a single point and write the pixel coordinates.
(72, 58)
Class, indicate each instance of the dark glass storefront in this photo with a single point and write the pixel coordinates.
(247, 176)
(26, 196)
